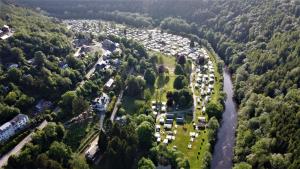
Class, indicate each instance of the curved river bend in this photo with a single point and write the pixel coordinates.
(223, 150)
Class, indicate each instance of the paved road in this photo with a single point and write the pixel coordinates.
(193, 91)
(101, 120)
(113, 114)
(16, 150)
(97, 47)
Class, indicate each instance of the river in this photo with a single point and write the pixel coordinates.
(223, 150)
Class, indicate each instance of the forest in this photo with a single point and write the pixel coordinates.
(258, 40)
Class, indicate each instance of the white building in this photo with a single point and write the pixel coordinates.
(100, 104)
(10, 128)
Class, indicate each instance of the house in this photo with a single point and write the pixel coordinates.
(5, 32)
(5, 29)
(42, 105)
(100, 104)
(10, 128)
(108, 44)
(109, 84)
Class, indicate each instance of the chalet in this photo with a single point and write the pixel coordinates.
(169, 121)
(167, 126)
(179, 120)
(10, 128)
(161, 121)
(170, 116)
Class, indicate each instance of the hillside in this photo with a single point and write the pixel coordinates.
(258, 40)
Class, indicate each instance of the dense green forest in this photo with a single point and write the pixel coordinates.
(259, 40)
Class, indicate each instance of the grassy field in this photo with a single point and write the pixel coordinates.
(162, 89)
(77, 133)
(131, 105)
(217, 84)
(199, 146)
(168, 61)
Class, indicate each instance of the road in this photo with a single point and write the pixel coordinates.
(100, 59)
(193, 91)
(16, 150)
(113, 114)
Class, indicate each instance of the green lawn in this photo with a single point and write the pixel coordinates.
(132, 105)
(168, 61)
(217, 84)
(163, 88)
(77, 133)
(199, 146)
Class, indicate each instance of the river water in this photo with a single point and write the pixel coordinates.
(223, 150)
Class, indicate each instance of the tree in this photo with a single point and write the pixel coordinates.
(161, 69)
(79, 105)
(39, 59)
(180, 82)
(14, 74)
(18, 55)
(11, 98)
(60, 152)
(147, 95)
(192, 43)
(135, 86)
(102, 142)
(150, 77)
(145, 135)
(145, 163)
(214, 109)
(213, 126)
(242, 165)
(179, 70)
(79, 162)
(181, 59)
(67, 100)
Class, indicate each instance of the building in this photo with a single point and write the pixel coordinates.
(90, 154)
(100, 103)
(5, 32)
(6, 131)
(42, 105)
(5, 29)
(10, 128)
(109, 84)
(108, 44)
